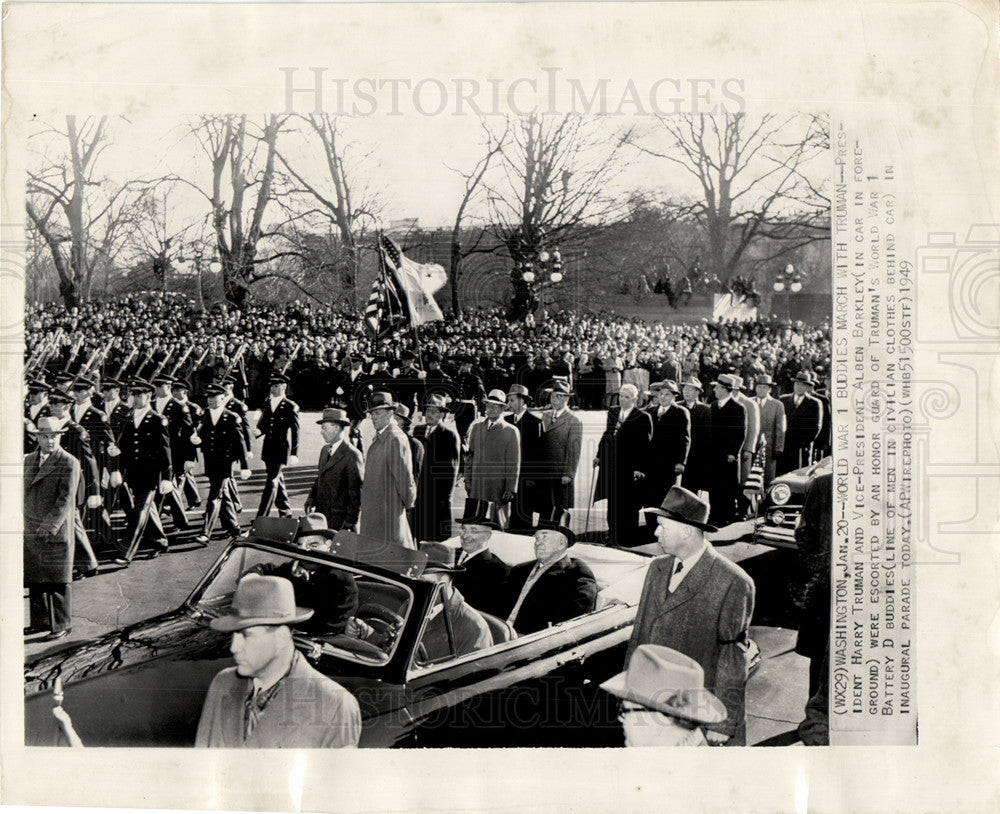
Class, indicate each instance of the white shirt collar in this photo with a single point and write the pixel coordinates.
(721, 402)
(215, 413)
(335, 444)
(688, 562)
(275, 401)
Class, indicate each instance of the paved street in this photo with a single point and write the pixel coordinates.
(117, 596)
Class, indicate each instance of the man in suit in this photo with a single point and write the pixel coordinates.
(493, 461)
(482, 576)
(562, 442)
(401, 415)
(51, 481)
(145, 466)
(803, 418)
(438, 475)
(336, 493)
(750, 444)
(671, 440)
(279, 424)
(772, 426)
(273, 697)
(729, 435)
(697, 470)
(529, 428)
(220, 436)
(552, 589)
(699, 603)
(624, 458)
(824, 440)
(389, 488)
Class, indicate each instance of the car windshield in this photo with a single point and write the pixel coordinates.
(355, 615)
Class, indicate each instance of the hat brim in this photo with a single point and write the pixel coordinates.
(565, 532)
(36, 431)
(230, 624)
(344, 423)
(680, 519)
(703, 706)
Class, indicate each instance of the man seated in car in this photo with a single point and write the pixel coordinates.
(331, 593)
(553, 588)
(468, 630)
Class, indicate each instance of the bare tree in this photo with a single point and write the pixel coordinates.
(493, 146)
(341, 202)
(758, 177)
(82, 219)
(242, 157)
(556, 173)
(159, 238)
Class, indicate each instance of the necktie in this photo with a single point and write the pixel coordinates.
(252, 710)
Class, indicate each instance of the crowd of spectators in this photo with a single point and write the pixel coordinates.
(152, 333)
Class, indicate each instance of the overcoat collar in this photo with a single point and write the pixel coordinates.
(691, 584)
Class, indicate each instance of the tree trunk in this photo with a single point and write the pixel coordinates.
(456, 267)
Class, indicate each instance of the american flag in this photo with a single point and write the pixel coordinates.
(385, 307)
(417, 282)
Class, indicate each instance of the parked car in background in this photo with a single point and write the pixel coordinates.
(144, 685)
(782, 505)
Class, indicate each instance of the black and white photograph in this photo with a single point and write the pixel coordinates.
(526, 379)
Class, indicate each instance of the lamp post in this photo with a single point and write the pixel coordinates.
(789, 281)
(213, 265)
(540, 271)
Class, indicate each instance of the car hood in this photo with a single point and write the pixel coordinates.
(143, 685)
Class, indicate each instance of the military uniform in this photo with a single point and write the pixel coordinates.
(222, 445)
(277, 426)
(182, 418)
(234, 405)
(145, 462)
(97, 429)
(471, 394)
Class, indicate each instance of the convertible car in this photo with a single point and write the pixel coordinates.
(782, 504)
(144, 685)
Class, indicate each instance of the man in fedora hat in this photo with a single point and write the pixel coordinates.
(772, 425)
(401, 415)
(336, 492)
(273, 698)
(803, 419)
(439, 473)
(697, 472)
(729, 435)
(330, 592)
(562, 443)
(279, 424)
(529, 427)
(389, 488)
(698, 602)
(51, 481)
(493, 461)
(220, 436)
(554, 588)
(671, 440)
(664, 700)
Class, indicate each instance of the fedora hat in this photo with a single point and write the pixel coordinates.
(438, 400)
(260, 600)
(803, 376)
(46, 425)
(729, 381)
(667, 681)
(519, 390)
(334, 415)
(380, 400)
(764, 379)
(684, 507)
(496, 397)
(560, 386)
(402, 411)
(692, 381)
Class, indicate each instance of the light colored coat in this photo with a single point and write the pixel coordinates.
(494, 460)
(49, 505)
(772, 430)
(753, 433)
(389, 488)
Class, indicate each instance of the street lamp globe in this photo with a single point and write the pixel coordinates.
(543, 256)
(796, 286)
(529, 276)
(215, 266)
(779, 285)
(556, 276)
(789, 269)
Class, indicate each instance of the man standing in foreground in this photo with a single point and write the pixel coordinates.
(389, 488)
(273, 698)
(336, 493)
(698, 603)
(562, 442)
(51, 478)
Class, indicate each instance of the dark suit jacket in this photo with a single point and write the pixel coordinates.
(181, 422)
(484, 584)
(49, 506)
(332, 594)
(814, 537)
(671, 442)
(707, 618)
(729, 429)
(566, 590)
(532, 462)
(697, 469)
(436, 482)
(337, 490)
(622, 451)
(802, 426)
